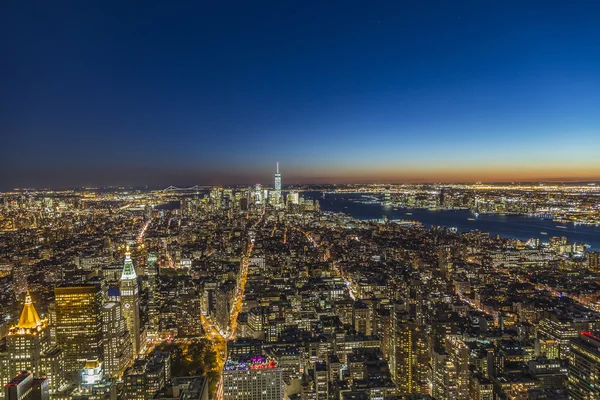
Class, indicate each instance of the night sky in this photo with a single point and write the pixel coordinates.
(165, 92)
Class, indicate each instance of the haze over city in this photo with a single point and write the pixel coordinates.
(210, 93)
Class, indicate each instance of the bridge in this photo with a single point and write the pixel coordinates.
(178, 189)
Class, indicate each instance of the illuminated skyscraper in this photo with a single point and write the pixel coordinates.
(584, 367)
(79, 325)
(130, 302)
(458, 366)
(152, 273)
(402, 356)
(293, 198)
(277, 194)
(258, 194)
(277, 179)
(27, 340)
(28, 348)
(117, 342)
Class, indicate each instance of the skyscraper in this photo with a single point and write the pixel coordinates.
(277, 194)
(79, 325)
(152, 273)
(584, 367)
(117, 341)
(130, 302)
(277, 179)
(28, 348)
(258, 194)
(458, 366)
(402, 356)
(27, 340)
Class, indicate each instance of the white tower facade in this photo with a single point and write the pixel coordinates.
(277, 199)
(277, 180)
(130, 302)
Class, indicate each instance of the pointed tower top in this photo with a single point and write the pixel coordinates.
(30, 319)
(128, 269)
(277, 166)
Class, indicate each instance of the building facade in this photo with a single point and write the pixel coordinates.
(130, 302)
(79, 325)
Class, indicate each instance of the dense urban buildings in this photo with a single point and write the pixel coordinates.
(270, 293)
(432, 232)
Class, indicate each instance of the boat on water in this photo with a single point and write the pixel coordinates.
(471, 219)
(408, 213)
(395, 208)
(543, 233)
(561, 226)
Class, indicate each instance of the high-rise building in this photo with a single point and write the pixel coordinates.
(557, 331)
(481, 388)
(277, 194)
(147, 376)
(130, 302)
(118, 352)
(223, 304)
(258, 194)
(186, 308)
(53, 368)
(79, 325)
(439, 377)
(24, 386)
(594, 260)
(293, 198)
(28, 348)
(362, 318)
(584, 367)
(402, 355)
(458, 366)
(387, 196)
(152, 272)
(251, 378)
(27, 340)
(321, 380)
(20, 272)
(277, 179)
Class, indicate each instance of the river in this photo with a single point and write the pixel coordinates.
(510, 226)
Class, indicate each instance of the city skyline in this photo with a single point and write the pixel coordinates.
(382, 200)
(440, 291)
(293, 179)
(348, 93)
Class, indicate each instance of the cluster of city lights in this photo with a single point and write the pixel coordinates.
(256, 362)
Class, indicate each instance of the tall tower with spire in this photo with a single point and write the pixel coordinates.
(130, 301)
(28, 348)
(277, 186)
(28, 339)
(277, 179)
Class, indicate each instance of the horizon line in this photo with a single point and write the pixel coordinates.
(416, 182)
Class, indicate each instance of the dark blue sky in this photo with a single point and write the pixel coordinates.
(217, 92)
